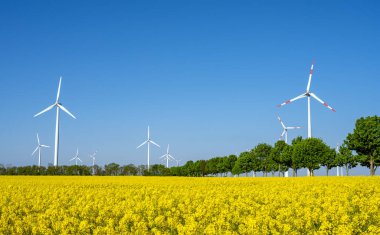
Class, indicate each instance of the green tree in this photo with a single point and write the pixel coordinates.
(128, 170)
(262, 152)
(329, 160)
(236, 170)
(365, 140)
(244, 163)
(229, 162)
(296, 160)
(345, 158)
(312, 152)
(277, 155)
(112, 169)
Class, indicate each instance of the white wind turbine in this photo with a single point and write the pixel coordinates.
(177, 160)
(308, 94)
(148, 142)
(39, 146)
(167, 157)
(76, 158)
(92, 156)
(59, 106)
(286, 128)
(285, 132)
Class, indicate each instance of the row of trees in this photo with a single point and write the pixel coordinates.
(112, 169)
(360, 147)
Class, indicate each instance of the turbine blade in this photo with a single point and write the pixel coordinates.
(67, 111)
(279, 119)
(170, 156)
(72, 159)
(38, 139)
(154, 143)
(289, 101)
(59, 89)
(45, 110)
(163, 156)
(293, 127)
(310, 75)
(35, 151)
(45, 146)
(322, 102)
(283, 133)
(79, 159)
(142, 144)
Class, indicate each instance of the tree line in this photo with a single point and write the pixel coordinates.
(361, 147)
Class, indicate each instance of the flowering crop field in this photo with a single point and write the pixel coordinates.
(174, 205)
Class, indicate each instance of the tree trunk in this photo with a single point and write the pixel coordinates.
(327, 171)
(346, 166)
(279, 170)
(372, 172)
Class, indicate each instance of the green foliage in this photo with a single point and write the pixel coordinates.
(311, 152)
(244, 163)
(365, 140)
(262, 153)
(345, 158)
(282, 160)
(329, 160)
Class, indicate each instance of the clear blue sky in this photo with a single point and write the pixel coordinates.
(205, 75)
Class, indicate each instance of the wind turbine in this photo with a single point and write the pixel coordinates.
(59, 106)
(339, 169)
(177, 160)
(286, 128)
(308, 94)
(148, 142)
(285, 132)
(167, 157)
(39, 146)
(76, 158)
(92, 156)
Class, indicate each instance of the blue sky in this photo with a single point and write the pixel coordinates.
(205, 75)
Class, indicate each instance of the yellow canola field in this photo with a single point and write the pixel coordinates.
(174, 205)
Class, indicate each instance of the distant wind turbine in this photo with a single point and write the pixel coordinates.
(92, 156)
(167, 157)
(39, 146)
(339, 170)
(177, 160)
(76, 158)
(308, 94)
(59, 106)
(286, 128)
(148, 142)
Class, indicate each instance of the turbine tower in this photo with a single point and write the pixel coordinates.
(58, 106)
(308, 94)
(148, 142)
(92, 156)
(39, 146)
(167, 157)
(286, 128)
(339, 169)
(76, 158)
